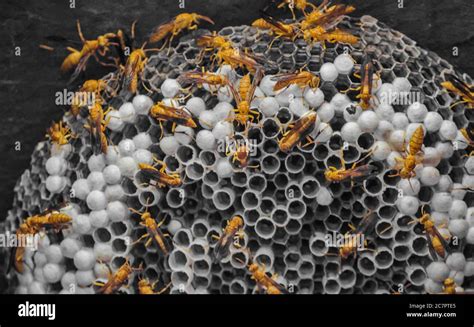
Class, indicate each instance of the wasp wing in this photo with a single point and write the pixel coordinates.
(161, 32)
(81, 66)
(431, 249)
(366, 223)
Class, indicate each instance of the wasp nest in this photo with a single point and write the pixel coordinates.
(287, 205)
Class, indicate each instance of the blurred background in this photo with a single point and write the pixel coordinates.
(29, 81)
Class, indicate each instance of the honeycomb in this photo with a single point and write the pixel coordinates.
(288, 206)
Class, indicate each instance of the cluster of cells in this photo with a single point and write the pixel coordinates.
(287, 204)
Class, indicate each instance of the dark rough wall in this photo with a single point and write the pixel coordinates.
(29, 82)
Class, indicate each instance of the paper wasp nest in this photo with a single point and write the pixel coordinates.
(287, 205)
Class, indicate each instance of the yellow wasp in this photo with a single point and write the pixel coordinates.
(276, 27)
(158, 177)
(179, 23)
(153, 233)
(437, 244)
(460, 88)
(325, 16)
(59, 134)
(298, 4)
(117, 280)
(233, 229)
(302, 79)
(244, 96)
(51, 219)
(146, 288)
(411, 158)
(301, 128)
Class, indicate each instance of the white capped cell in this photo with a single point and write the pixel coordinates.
(340, 101)
(298, 108)
(224, 168)
(387, 93)
(285, 95)
(429, 176)
(326, 112)
(223, 110)
(224, 94)
(112, 174)
(80, 189)
(96, 181)
(381, 150)
(117, 211)
(184, 134)
(445, 149)
(458, 209)
(98, 218)
(351, 131)
(114, 192)
(101, 270)
(324, 197)
(441, 201)
(127, 113)
(438, 271)
(142, 104)
(400, 120)
(267, 84)
(402, 84)
(143, 156)
(81, 224)
(344, 64)
(458, 228)
(409, 186)
(112, 154)
(432, 121)
(205, 140)
(96, 200)
(169, 145)
(54, 254)
(55, 184)
(384, 130)
(56, 165)
(328, 72)
(114, 118)
(142, 141)
(456, 261)
(417, 112)
(84, 259)
(445, 184)
(385, 111)
(448, 130)
(40, 259)
(84, 278)
(170, 88)
(314, 97)
(103, 252)
(269, 106)
(222, 130)
(207, 119)
(195, 106)
(368, 121)
(52, 272)
(408, 205)
(431, 157)
(69, 247)
(322, 133)
(68, 280)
